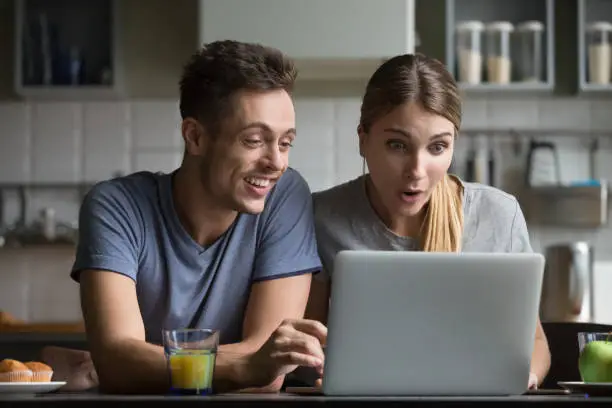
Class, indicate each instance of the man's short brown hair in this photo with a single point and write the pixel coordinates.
(221, 69)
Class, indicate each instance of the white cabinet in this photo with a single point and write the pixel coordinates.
(530, 58)
(317, 33)
(595, 45)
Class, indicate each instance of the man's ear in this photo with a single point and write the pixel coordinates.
(362, 140)
(195, 137)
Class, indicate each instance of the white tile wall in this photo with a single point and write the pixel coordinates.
(107, 140)
(89, 141)
(15, 140)
(56, 152)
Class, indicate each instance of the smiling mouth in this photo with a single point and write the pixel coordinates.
(259, 182)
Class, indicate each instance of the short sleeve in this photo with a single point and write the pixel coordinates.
(108, 232)
(519, 240)
(287, 244)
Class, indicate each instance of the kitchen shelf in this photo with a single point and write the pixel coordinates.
(54, 38)
(46, 186)
(516, 12)
(590, 11)
(515, 87)
(574, 206)
(23, 189)
(69, 93)
(587, 88)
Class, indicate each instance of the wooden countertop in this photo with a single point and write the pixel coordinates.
(8, 324)
(43, 328)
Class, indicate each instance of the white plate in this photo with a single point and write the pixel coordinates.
(593, 389)
(30, 387)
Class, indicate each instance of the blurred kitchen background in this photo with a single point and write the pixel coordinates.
(88, 91)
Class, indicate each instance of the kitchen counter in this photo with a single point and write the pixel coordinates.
(295, 401)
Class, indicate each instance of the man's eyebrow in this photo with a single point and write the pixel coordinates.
(266, 128)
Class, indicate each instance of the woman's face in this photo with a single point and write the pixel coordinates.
(407, 151)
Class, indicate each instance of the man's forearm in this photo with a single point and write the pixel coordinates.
(540, 359)
(137, 367)
(132, 367)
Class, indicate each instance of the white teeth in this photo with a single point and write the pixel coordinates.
(257, 181)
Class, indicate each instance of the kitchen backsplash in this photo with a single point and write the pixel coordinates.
(91, 141)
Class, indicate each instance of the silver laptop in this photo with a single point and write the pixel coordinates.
(418, 323)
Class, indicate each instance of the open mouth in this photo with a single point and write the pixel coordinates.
(411, 196)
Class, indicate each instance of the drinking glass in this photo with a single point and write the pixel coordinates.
(190, 355)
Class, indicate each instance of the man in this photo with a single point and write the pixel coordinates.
(224, 242)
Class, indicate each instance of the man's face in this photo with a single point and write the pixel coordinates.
(244, 161)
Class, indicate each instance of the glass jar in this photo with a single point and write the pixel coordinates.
(469, 51)
(499, 60)
(598, 51)
(529, 49)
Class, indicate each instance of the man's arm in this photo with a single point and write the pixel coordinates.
(271, 302)
(125, 363)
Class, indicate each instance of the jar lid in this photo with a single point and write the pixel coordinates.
(532, 25)
(470, 26)
(500, 26)
(599, 26)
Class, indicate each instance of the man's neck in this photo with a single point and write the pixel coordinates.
(202, 218)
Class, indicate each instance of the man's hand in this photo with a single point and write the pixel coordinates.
(294, 343)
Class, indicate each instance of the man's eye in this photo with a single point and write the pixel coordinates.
(395, 145)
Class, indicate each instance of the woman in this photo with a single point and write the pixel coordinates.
(410, 119)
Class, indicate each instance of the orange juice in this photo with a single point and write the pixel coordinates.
(191, 371)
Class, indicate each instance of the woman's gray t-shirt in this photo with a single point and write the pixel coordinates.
(344, 219)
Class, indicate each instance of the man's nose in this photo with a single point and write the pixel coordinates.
(275, 159)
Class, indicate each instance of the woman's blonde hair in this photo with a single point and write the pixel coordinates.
(426, 81)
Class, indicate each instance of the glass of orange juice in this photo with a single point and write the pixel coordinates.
(190, 355)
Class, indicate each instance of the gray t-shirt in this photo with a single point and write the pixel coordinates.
(129, 226)
(345, 220)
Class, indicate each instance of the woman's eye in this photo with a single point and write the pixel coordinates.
(437, 148)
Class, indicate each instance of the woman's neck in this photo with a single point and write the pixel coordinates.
(403, 226)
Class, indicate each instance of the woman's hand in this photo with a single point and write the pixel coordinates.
(73, 366)
(294, 343)
(533, 382)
